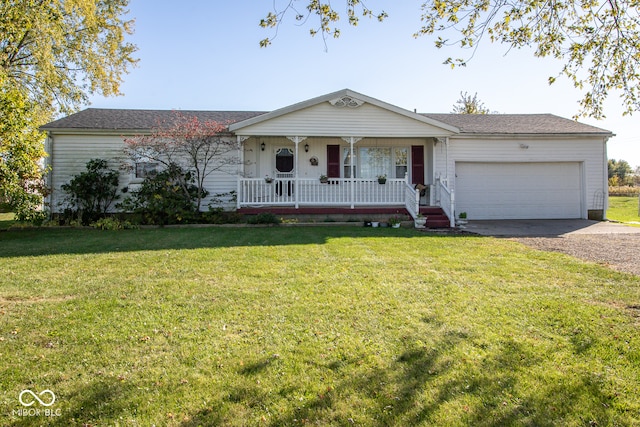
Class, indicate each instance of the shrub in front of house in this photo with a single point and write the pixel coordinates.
(90, 194)
(113, 223)
(166, 197)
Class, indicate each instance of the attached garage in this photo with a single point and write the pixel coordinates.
(539, 190)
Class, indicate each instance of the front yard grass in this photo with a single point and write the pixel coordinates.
(623, 209)
(6, 220)
(312, 326)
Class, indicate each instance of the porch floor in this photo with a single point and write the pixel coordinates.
(436, 218)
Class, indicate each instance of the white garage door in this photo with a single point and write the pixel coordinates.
(518, 190)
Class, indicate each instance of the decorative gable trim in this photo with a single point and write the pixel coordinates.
(346, 101)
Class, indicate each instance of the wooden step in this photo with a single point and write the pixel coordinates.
(436, 218)
(438, 221)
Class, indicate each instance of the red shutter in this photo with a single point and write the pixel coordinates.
(333, 161)
(417, 164)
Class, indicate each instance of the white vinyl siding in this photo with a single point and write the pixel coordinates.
(69, 155)
(326, 120)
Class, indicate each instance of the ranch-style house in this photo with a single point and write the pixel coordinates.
(331, 153)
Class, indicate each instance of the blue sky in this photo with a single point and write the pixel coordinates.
(205, 55)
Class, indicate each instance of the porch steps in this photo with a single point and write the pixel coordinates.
(436, 218)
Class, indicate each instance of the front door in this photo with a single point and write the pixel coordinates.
(333, 161)
(284, 163)
(284, 169)
(417, 164)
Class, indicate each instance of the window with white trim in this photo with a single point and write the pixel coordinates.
(145, 169)
(347, 161)
(371, 162)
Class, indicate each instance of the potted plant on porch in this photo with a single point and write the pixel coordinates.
(382, 179)
(268, 179)
(420, 221)
(324, 179)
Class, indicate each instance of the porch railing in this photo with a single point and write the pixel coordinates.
(445, 198)
(412, 200)
(311, 192)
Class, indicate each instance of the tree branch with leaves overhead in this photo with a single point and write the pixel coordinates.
(597, 42)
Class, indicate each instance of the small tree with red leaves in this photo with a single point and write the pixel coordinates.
(196, 146)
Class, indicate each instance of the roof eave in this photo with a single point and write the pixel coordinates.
(82, 131)
(536, 135)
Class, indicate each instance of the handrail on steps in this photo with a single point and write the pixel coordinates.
(445, 198)
(412, 200)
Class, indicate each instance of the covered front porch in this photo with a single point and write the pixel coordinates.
(345, 196)
(333, 172)
(341, 151)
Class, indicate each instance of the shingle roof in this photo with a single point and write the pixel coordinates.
(515, 124)
(506, 124)
(111, 119)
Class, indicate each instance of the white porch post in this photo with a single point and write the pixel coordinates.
(240, 140)
(446, 146)
(434, 165)
(353, 174)
(296, 140)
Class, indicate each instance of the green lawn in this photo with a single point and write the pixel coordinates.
(624, 209)
(312, 326)
(6, 220)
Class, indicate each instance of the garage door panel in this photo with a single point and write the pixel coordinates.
(518, 190)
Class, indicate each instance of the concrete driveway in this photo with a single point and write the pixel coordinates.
(547, 227)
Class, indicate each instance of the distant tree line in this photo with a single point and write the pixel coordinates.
(622, 174)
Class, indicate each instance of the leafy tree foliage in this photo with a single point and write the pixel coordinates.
(598, 42)
(195, 146)
(90, 194)
(326, 15)
(166, 197)
(620, 172)
(58, 52)
(468, 104)
(53, 55)
(21, 149)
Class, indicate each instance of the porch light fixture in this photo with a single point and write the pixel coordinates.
(306, 148)
(262, 146)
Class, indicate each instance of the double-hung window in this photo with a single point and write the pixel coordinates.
(145, 169)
